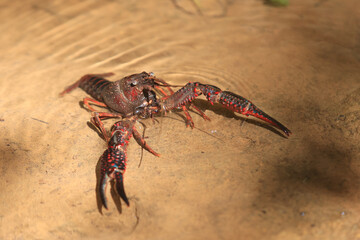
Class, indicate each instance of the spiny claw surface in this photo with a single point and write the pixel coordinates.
(241, 105)
(213, 94)
(113, 161)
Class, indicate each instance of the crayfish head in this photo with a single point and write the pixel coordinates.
(134, 85)
(140, 80)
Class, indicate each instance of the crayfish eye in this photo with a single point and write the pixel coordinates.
(134, 83)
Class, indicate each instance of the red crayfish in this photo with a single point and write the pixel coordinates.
(134, 97)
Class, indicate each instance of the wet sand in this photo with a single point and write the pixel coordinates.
(230, 178)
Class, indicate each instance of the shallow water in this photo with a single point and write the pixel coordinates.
(230, 178)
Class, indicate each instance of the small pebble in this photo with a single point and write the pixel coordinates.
(341, 118)
(343, 213)
(302, 214)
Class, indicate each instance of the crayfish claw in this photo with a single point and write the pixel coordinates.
(243, 106)
(120, 187)
(102, 189)
(213, 94)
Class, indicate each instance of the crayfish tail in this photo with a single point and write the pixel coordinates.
(92, 84)
(70, 88)
(120, 187)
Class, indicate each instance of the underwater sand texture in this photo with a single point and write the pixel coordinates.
(230, 178)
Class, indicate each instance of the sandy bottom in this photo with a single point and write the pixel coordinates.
(230, 178)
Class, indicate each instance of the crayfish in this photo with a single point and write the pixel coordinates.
(136, 96)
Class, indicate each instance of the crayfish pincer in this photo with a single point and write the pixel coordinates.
(113, 160)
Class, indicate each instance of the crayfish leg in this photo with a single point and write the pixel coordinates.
(189, 121)
(141, 141)
(203, 115)
(93, 101)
